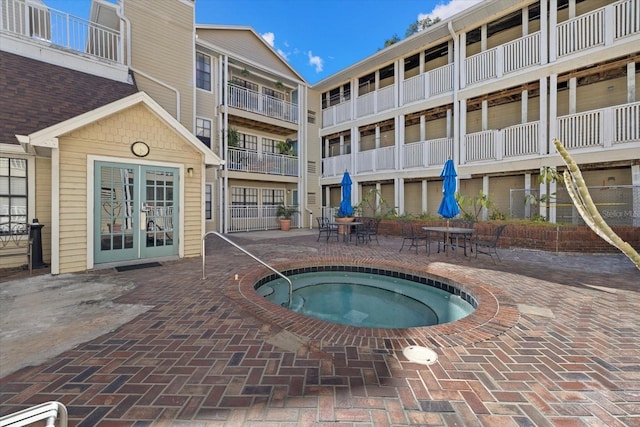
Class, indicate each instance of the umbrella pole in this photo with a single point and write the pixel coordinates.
(446, 240)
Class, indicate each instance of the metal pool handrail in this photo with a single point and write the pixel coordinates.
(249, 254)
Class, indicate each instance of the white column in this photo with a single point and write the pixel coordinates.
(542, 189)
(525, 21)
(553, 23)
(399, 194)
(525, 106)
(527, 193)
(553, 188)
(485, 190)
(424, 197)
(553, 112)
(399, 143)
(462, 47)
(459, 155)
(544, 119)
(485, 115)
(635, 182)
(483, 37)
(631, 82)
(544, 33)
(573, 85)
(423, 128)
(355, 149)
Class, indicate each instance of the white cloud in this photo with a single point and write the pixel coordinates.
(446, 10)
(270, 38)
(316, 61)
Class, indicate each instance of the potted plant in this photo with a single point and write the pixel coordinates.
(279, 85)
(284, 214)
(286, 147)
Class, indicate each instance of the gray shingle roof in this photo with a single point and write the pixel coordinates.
(35, 95)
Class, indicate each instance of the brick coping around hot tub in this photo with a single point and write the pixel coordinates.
(495, 312)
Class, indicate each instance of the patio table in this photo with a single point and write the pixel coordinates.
(455, 232)
(347, 228)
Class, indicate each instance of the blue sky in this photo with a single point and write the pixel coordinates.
(317, 37)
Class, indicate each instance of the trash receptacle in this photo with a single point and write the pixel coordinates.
(35, 235)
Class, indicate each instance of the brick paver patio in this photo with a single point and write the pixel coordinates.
(562, 348)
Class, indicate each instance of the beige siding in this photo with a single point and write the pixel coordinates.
(499, 191)
(602, 94)
(163, 47)
(412, 133)
(43, 204)
(413, 198)
(434, 196)
(436, 129)
(246, 44)
(502, 116)
(111, 137)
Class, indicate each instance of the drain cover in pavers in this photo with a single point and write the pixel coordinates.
(287, 341)
(422, 355)
(536, 311)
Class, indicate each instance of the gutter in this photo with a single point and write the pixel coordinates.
(456, 104)
(142, 73)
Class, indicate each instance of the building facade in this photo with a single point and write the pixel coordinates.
(151, 129)
(491, 88)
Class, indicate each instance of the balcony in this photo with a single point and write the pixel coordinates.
(265, 105)
(507, 58)
(43, 25)
(425, 154)
(602, 27)
(514, 142)
(426, 85)
(605, 127)
(242, 160)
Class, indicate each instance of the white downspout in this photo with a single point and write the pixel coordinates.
(142, 73)
(456, 104)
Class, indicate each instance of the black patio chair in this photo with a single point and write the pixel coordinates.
(489, 247)
(325, 228)
(368, 230)
(409, 235)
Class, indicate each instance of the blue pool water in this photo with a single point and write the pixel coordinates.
(367, 300)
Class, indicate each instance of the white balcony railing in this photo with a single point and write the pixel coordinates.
(376, 160)
(498, 144)
(513, 56)
(431, 83)
(255, 217)
(428, 153)
(43, 24)
(255, 102)
(581, 32)
(600, 128)
(336, 165)
(627, 18)
(239, 159)
(598, 28)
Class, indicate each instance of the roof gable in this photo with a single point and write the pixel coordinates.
(245, 43)
(35, 95)
(48, 137)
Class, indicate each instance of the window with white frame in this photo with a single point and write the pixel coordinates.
(244, 83)
(272, 93)
(272, 196)
(248, 142)
(203, 131)
(270, 145)
(203, 71)
(208, 201)
(13, 196)
(244, 202)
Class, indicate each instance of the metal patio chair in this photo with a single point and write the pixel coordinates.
(410, 235)
(326, 229)
(489, 247)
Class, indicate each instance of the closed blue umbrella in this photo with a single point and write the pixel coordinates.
(345, 205)
(449, 206)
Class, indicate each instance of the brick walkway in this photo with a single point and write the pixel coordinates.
(566, 351)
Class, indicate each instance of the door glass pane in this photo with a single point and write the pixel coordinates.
(160, 207)
(116, 215)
